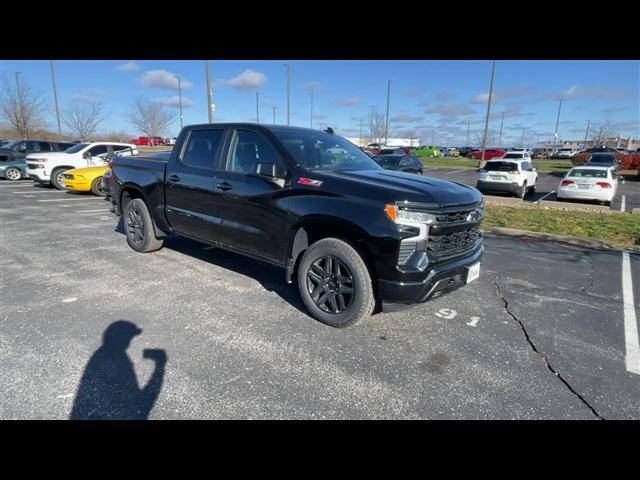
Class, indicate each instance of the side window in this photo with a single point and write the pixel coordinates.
(201, 148)
(31, 146)
(21, 147)
(98, 150)
(247, 149)
(117, 148)
(45, 146)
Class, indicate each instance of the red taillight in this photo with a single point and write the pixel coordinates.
(110, 163)
(566, 183)
(603, 184)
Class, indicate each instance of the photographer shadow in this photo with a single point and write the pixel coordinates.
(109, 388)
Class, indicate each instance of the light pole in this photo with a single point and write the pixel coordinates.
(257, 108)
(288, 93)
(180, 99)
(274, 114)
(486, 122)
(555, 135)
(501, 123)
(433, 137)
(209, 94)
(522, 139)
(586, 134)
(372, 122)
(468, 124)
(55, 97)
(360, 137)
(311, 119)
(386, 125)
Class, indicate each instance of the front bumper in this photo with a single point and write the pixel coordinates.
(497, 186)
(38, 175)
(441, 279)
(76, 185)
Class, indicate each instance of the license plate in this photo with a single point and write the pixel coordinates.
(473, 272)
(496, 177)
(584, 186)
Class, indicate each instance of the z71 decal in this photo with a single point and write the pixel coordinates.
(309, 181)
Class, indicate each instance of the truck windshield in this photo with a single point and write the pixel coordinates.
(76, 148)
(319, 151)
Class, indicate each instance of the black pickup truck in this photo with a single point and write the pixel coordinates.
(352, 234)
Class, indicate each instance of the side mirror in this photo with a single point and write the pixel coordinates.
(86, 155)
(270, 170)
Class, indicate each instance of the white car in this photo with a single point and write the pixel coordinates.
(566, 153)
(49, 167)
(512, 174)
(588, 183)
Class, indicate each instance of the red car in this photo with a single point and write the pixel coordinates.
(489, 154)
(152, 141)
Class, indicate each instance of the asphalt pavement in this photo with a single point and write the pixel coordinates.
(542, 334)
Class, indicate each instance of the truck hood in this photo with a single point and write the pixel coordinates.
(46, 155)
(401, 186)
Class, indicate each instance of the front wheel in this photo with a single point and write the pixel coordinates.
(96, 187)
(12, 174)
(57, 178)
(335, 284)
(138, 227)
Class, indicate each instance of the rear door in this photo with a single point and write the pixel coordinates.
(254, 218)
(191, 185)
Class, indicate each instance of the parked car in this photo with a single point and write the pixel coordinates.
(147, 141)
(603, 160)
(466, 151)
(373, 148)
(427, 151)
(49, 168)
(513, 175)
(517, 155)
(566, 152)
(394, 151)
(351, 232)
(588, 183)
(400, 163)
(13, 165)
(453, 152)
(489, 154)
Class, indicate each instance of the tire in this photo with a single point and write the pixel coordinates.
(532, 189)
(346, 271)
(12, 174)
(96, 187)
(523, 191)
(138, 227)
(56, 178)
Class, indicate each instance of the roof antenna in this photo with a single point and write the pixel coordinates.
(329, 130)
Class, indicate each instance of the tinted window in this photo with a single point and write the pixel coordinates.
(32, 146)
(45, 146)
(98, 150)
(321, 151)
(201, 148)
(247, 150)
(76, 148)
(587, 173)
(501, 167)
(389, 160)
(513, 155)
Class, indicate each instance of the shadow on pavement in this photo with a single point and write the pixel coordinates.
(109, 389)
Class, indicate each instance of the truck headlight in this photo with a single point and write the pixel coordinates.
(408, 216)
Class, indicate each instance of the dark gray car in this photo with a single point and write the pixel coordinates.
(400, 163)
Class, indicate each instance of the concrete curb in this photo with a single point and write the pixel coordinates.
(548, 205)
(550, 237)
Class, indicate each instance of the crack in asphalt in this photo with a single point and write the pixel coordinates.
(535, 349)
(593, 274)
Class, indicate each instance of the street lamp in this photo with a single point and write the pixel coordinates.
(180, 99)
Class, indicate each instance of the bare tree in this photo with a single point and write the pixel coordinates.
(151, 118)
(83, 119)
(376, 126)
(599, 133)
(23, 109)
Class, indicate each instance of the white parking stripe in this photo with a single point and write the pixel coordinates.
(542, 198)
(623, 204)
(12, 185)
(69, 199)
(458, 171)
(631, 341)
(92, 211)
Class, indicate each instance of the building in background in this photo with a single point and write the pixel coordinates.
(613, 142)
(391, 142)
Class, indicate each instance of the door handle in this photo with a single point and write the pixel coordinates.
(225, 186)
(174, 178)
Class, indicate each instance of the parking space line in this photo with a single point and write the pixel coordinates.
(92, 211)
(631, 341)
(542, 198)
(16, 185)
(68, 200)
(458, 171)
(623, 203)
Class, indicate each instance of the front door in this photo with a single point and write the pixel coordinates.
(254, 217)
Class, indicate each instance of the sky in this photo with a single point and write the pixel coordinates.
(431, 100)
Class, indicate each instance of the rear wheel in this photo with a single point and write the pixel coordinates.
(138, 227)
(335, 284)
(96, 187)
(523, 191)
(12, 174)
(57, 178)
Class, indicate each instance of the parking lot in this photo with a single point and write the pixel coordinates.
(627, 197)
(543, 333)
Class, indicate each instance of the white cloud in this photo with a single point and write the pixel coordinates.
(347, 102)
(450, 110)
(315, 86)
(247, 80)
(130, 66)
(175, 102)
(162, 79)
(406, 118)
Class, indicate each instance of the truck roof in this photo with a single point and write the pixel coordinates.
(253, 125)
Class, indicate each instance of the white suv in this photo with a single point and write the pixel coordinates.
(566, 153)
(512, 174)
(49, 167)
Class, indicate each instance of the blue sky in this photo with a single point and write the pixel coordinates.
(429, 99)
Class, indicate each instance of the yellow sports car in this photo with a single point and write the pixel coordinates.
(86, 179)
